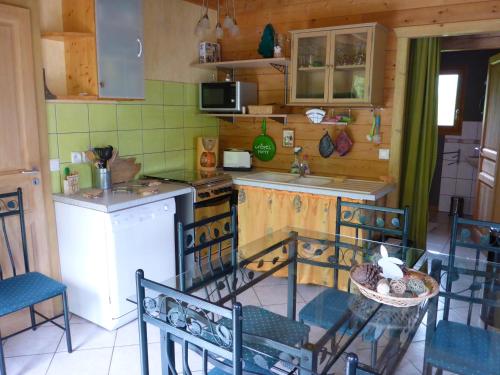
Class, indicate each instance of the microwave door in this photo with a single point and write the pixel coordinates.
(219, 96)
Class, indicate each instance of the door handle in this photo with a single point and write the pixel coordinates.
(29, 171)
(139, 43)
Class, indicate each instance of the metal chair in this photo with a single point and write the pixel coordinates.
(20, 291)
(215, 333)
(326, 309)
(213, 255)
(473, 235)
(456, 346)
(353, 367)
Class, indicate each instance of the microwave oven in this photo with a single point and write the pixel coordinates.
(227, 96)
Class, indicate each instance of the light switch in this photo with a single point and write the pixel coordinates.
(383, 153)
(54, 165)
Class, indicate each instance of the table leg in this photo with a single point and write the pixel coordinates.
(292, 279)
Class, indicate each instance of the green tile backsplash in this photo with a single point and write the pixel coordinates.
(159, 132)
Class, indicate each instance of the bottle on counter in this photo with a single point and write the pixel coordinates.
(305, 164)
(295, 168)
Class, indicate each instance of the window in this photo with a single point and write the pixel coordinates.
(450, 101)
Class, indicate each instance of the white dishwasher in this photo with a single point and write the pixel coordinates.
(100, 253)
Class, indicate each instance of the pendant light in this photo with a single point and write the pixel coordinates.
(228, 20)
(203, 24)
(219, 32)
(235, 29)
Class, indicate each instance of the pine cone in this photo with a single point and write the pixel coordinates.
(367, 275)
(398, 286)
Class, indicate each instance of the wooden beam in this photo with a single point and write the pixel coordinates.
(471, 42)
(402, 57)
(445, 29)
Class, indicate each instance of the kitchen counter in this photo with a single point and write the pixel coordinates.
(359, 189)
(111, 202)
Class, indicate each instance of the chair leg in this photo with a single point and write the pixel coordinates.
(3, 371)
(66, 322)
(374, 354)
(32, 316)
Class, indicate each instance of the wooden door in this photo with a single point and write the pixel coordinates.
(488, 185)
(310, 67)
(19, 149)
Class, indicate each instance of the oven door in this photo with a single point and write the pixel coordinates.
(208, 232)
(219, 96)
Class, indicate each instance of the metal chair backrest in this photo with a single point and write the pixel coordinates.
(213, 257)
(11, 204)
(194, 323)
(367, 220)
(473, 235)
(372, 219)
(480, 288)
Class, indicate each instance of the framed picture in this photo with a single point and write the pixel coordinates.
(288, 137)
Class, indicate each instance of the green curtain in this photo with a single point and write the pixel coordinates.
(420, 134)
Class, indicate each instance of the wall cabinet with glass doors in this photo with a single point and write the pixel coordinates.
(338, 65)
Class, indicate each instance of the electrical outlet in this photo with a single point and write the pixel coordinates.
(54, 165)
(76, 157)
(383, 154)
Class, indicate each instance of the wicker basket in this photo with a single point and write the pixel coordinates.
(267, 109)
(393, 300)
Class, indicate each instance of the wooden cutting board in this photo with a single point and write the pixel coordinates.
(124, 169)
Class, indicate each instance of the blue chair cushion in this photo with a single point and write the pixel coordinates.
(326, 308)
(22, 291)
(261, 322)
(259, 358)
(466, 350)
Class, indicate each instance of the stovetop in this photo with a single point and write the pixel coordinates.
(207, 185)
(191, 177)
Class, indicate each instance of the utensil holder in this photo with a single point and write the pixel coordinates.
(101, 178)
(71, 185)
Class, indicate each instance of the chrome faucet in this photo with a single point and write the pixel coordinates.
(302, 168)
(298, 165)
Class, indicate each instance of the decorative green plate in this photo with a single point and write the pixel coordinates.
(264, 147)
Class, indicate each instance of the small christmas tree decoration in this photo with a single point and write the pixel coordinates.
(266, 45)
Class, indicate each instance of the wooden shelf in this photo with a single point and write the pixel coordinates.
(350, 67)
(281, 118)
(240, 64)
(65, 35)
(311, 68)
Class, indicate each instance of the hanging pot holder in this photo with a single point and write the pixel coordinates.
(343, 143)
(326, 146)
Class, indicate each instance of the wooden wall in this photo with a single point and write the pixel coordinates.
(285, 15)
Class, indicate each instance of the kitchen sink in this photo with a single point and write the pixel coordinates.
(289, 178)
(310, 180)
(272, 177)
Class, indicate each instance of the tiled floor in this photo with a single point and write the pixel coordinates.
(100, 352)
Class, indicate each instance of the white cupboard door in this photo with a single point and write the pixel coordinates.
(120, 48)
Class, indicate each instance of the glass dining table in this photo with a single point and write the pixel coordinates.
(290, 325)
